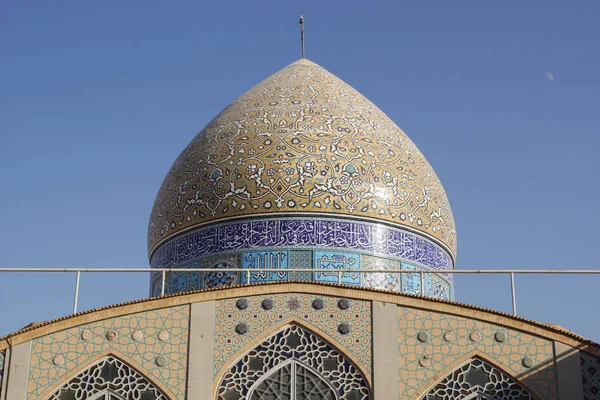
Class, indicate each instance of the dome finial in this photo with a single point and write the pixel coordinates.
(302, 34)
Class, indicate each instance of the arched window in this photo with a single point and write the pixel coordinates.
(293, 364)
(108, 379)
(478, 380)
(292, 381)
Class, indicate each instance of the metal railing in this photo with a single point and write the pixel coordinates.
(340, 272)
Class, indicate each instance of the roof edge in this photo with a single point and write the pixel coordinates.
(547, 331)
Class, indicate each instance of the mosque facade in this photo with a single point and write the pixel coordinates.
(310, 184)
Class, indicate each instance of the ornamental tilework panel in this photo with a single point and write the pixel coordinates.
(216, 279)
(301, 141)
(288, 306)
(2, 362)
(77, 352)
(301, 259)
(334, 260)
(590, 373)
(442, 354)
(266, 259)
(296, 233)
(380, 280)
(411, 283)
(184, 281)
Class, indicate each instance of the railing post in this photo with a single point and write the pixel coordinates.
(162, 287)
(248, 276)
(339, 277)
(76, 292)
(422, 283)
(512, 290)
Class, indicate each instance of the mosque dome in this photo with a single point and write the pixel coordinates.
(300, 144)
(304, 142)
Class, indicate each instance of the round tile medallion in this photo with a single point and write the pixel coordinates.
(86, 335)
(528, 362)
(161, 360)
(137, 336)
(424, 362)
(475, 336)
(241, 304)
(58, 360)
(163, 335)
(344, 328)
(344, 304)
(111, 335)
(318, 304)
(241, 328)
(449, 336)
(423, 336)
(267, 304)
(500, 336)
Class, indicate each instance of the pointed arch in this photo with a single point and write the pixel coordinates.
(293, 345)
(304, 324)
(108, 375)
(300, 380)
(476, 379)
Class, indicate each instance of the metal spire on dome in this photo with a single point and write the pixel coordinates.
(302, 34)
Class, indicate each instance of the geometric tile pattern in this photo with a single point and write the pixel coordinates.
(2, 362)
(590, 372)
(301, 259)
(269, 260)
(122, 381)
(302, 141)
(286, 306)
(280, 361)
(477, 377)
(76, 353)
(440, 355)
(180, 282)
(333, 260)
(293, 232)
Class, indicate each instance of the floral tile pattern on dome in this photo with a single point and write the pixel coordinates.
(451, 339)
(285, 307)
(590, 374)
(302, 141)
(135, 336)
(301, 232)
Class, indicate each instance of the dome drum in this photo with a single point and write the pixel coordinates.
(320, 245)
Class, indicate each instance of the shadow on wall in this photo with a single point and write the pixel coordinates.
(561, 376)
(558, 378)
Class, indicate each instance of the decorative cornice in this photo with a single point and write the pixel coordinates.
(547, 331)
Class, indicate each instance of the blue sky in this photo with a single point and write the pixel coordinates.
(97, 99)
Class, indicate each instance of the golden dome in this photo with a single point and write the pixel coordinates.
(302, 142)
